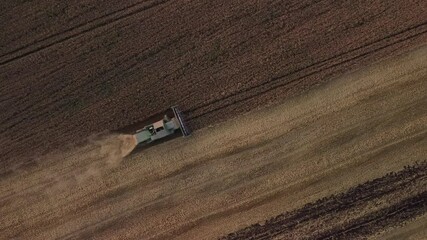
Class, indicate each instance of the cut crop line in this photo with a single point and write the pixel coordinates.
(104, 21)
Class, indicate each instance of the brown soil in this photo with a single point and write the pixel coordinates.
(243, 171)
(74, 68)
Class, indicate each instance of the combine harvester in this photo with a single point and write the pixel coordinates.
(162, 129)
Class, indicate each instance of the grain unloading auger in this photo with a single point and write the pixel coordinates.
(163, 128)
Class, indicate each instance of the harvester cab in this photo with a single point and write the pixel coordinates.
(172, 121)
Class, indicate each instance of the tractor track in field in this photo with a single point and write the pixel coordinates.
(321, 65)
(293, 224)
(75, 31)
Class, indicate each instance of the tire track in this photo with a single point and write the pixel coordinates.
(85, 28)
(317, 64)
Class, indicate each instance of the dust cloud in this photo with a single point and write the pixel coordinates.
(91, 162)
